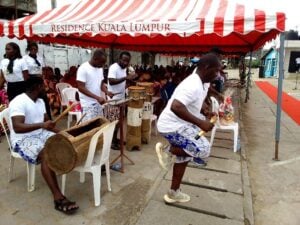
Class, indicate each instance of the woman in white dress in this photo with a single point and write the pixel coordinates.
(13, 71)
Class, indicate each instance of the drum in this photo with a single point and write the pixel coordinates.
(134, 117)
(69, 148)
(147, 111)
(149, 87)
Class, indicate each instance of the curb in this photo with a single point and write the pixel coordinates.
(247, 201)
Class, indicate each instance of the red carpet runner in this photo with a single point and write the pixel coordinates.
(290, 105)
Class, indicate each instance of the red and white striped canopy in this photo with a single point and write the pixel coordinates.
(152, 25)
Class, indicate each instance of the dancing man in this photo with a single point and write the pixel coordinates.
(181, 121)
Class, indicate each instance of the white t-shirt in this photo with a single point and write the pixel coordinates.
(92, 77)
(116, 72)
(18, 68)
(191, 92)
(34, 112)
(298, 60)
(33, 68)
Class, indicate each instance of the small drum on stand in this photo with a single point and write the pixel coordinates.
(134, 117)
(69, 148)
(147, 111)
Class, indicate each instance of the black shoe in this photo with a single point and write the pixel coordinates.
(103, 170)
(115, 146)
(119, 142)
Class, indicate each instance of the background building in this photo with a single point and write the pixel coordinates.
(13, 9)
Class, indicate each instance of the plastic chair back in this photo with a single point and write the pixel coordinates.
(4, 116)
(215, 105)
(60, 87)
(107, 132)
(69, 94)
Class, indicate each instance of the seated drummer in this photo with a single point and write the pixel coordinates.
(30, 130)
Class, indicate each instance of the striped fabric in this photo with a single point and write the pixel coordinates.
(156, 25)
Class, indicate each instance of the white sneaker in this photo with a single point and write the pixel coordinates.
(164, 158)
(176, 196)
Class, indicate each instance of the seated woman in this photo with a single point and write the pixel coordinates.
(50, 83)
(70, 77)
(3, 97)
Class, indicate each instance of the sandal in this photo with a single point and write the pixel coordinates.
(66, 206)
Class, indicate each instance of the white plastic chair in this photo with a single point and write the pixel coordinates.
(234, 126)
(95, 160)
(60, 87)
(153, 118)
(69, 94)
(4, 115)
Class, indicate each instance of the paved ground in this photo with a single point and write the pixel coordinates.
(221, 193)
(275, 186)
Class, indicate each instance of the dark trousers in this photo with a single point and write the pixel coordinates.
(15, 88)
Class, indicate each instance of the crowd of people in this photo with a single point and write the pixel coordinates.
(183, 107)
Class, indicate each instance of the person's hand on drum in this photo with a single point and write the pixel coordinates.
(110, 94)
(101, 100)
(131, 76)
(49, 125)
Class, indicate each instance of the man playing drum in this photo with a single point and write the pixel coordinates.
(30, 130)
(181, 121)
(117, 78)
(90, 83)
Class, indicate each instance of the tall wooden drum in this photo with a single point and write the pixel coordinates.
(134, 117)
(69, 148)
(147, 111)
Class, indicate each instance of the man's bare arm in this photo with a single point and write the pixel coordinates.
(181, 111)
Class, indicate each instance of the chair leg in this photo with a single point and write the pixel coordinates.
(235, 137)
(69, 120)
(155, 123)
(107, 169)
(82, 177)
(97, 185)
(212, 136)
(78, 117)
(11, 168)
(30, 177)
(63, 183)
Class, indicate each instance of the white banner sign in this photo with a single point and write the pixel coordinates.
(111, 27)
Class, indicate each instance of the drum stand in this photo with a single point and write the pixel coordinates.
(121, 120)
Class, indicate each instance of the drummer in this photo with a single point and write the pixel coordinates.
(31, 128)
(117, 77)
(90, 84)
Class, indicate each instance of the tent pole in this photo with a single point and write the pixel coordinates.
(279, 94)
(248, 85)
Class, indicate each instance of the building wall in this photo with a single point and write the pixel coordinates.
(271, 64)
(61, 57)
(290, 46)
